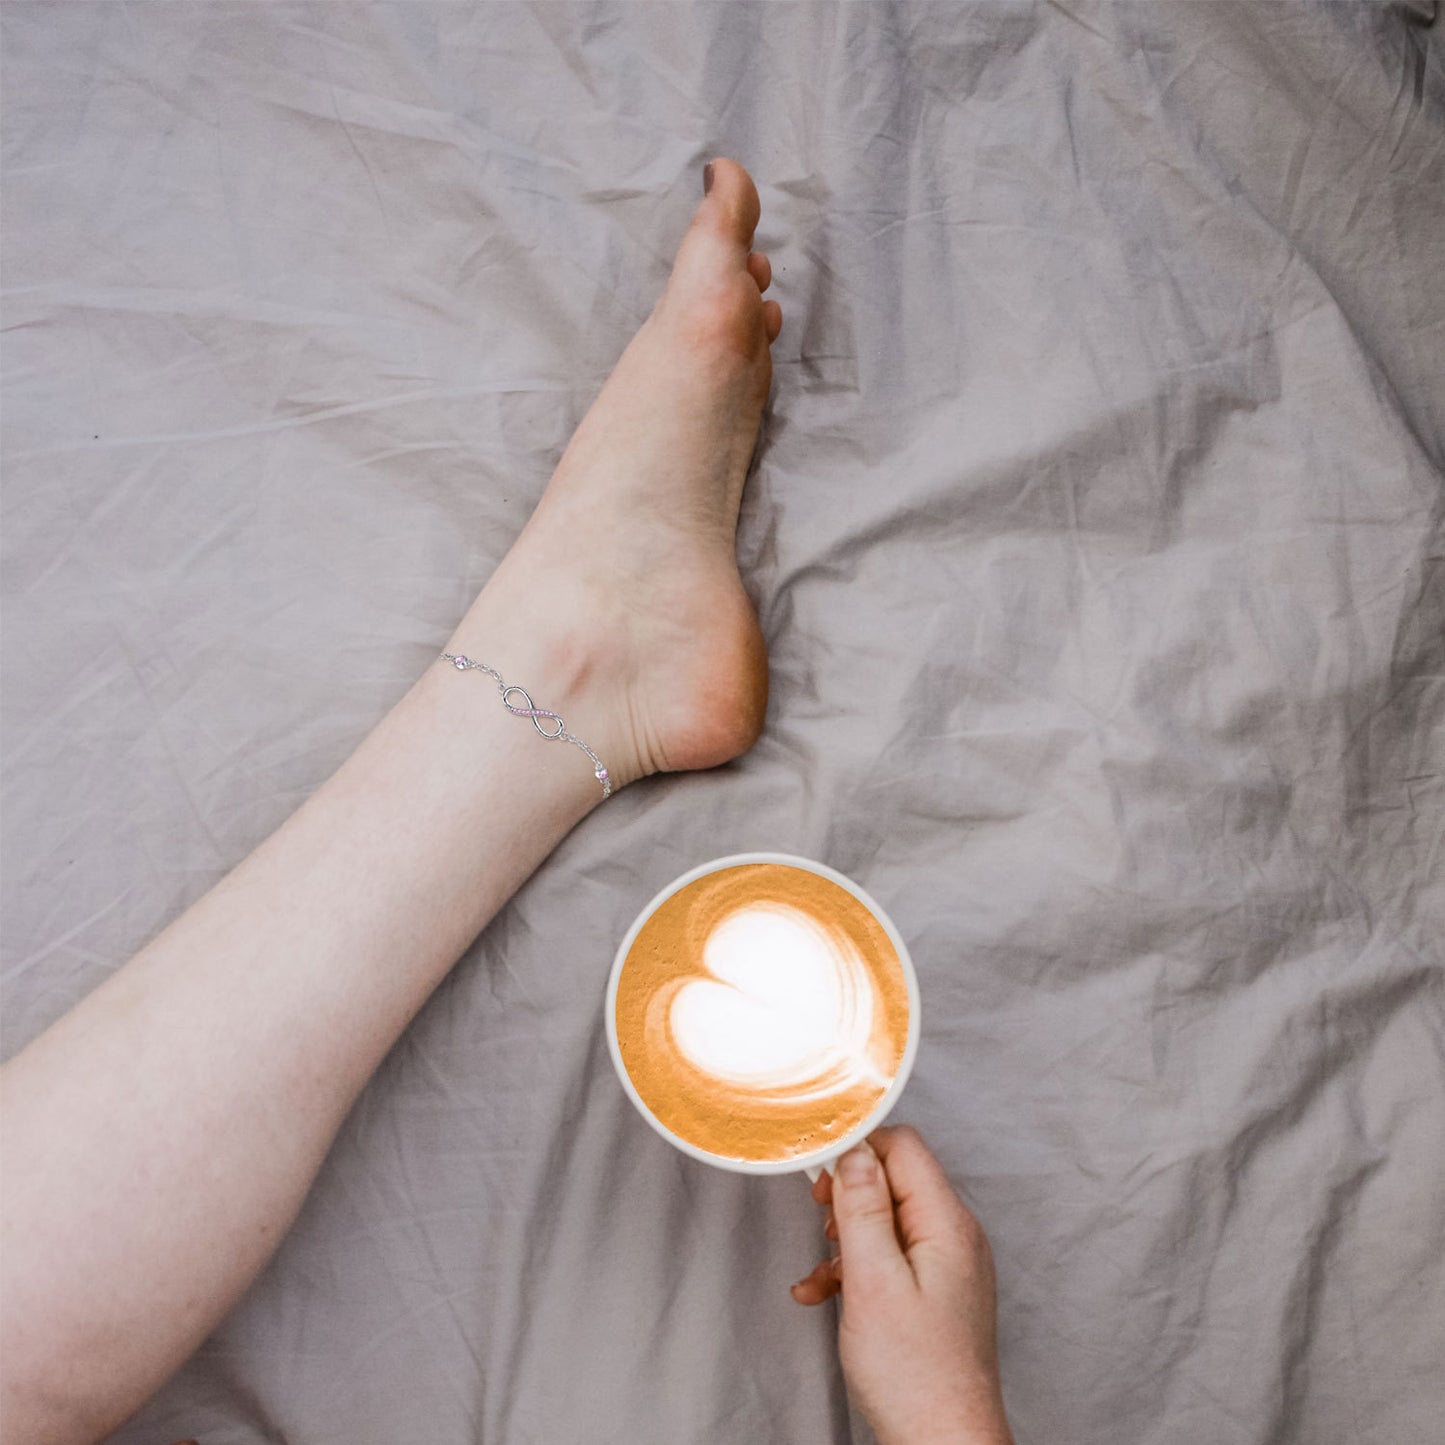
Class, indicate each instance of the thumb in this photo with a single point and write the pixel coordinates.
(863, 1208)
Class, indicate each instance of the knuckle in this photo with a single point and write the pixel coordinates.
(872, 1213)
(876, 1296)
(967, 1221)
(973, 1239)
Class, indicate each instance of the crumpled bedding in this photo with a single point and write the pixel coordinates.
(1095, 529)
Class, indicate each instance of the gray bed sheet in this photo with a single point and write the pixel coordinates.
(1096, 533)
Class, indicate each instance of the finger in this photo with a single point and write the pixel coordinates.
(823, 1188)
(863, 1209)
(822, 1284)
(930, 1213)
(830, 1226)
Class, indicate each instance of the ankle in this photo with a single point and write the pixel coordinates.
(551, 637)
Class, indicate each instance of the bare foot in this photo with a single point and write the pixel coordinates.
(628, 564)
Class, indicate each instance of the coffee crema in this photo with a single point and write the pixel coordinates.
(762, 1012)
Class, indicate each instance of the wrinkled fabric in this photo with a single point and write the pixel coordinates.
(1095, 529)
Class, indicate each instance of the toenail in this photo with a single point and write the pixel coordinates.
(707, 178)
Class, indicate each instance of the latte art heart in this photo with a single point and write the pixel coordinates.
(786, 1012)
(761, 1012)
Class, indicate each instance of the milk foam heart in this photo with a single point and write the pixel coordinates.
(761, 1012)
(789, 1005)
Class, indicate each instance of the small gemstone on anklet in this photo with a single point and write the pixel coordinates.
(601, 774)
(460, 663)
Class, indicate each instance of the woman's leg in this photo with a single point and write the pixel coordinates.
(160, 1138)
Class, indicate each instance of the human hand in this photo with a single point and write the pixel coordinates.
(918, 1335)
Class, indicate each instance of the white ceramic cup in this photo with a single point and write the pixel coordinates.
(814, 1162)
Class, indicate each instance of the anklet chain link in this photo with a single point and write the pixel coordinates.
(531, 710)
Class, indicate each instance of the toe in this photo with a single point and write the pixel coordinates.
(717, 280)
(730, 210)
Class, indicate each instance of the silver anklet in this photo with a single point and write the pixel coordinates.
(462, 663)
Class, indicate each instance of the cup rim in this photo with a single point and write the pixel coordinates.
(824, 1155)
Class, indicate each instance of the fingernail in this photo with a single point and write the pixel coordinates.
(707, 178)
(858, 1166)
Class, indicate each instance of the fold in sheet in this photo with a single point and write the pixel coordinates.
(1095, 532)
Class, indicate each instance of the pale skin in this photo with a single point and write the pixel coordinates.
(135, 1214)
(918, 1330)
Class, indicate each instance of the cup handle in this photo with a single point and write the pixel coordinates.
(814, 1170)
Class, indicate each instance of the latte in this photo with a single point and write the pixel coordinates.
(762, 1012)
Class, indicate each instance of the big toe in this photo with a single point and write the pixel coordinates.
(726, 218)
(713, 296)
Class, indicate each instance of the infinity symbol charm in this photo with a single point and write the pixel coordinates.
(532, 711)
(461, 662)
